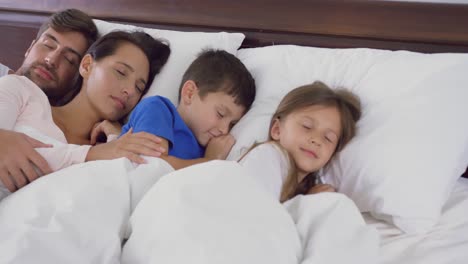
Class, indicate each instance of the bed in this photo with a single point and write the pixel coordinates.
(325, 31)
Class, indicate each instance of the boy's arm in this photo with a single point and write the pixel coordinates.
(217, 148)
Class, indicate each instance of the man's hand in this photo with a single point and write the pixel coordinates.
(321, 188)
(219, 147)
(18, 158)
(105, 128)
(130, 146)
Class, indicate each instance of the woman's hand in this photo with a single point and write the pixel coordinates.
(130, 146)
(321, 188)
(105, 128)
(219, 147)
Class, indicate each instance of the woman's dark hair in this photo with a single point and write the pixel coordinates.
(156, 51)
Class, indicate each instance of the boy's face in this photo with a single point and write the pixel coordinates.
(211, 116)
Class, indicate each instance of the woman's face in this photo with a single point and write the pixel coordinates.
(115, 83)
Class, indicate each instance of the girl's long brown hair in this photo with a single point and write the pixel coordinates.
(347, 104)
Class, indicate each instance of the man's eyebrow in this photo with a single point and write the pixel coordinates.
(68, 49)
(131, 69)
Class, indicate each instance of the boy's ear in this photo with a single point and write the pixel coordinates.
(86, 65)
(275, 130)
(188, 91)
(29, 49)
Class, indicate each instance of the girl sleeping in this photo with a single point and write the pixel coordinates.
(311, 124)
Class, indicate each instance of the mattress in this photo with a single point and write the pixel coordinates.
(446, 243)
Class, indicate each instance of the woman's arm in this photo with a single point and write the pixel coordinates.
(17, 154)
(130, 145)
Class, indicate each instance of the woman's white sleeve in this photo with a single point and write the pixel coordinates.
(63, 155)
(269, 167)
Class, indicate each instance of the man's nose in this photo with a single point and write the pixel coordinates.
(52, 58)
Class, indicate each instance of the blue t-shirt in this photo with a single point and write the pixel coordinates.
(158, 116)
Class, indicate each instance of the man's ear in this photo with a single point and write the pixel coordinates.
(29, 49)
(275, 130)
(86, 65)
(187, 92)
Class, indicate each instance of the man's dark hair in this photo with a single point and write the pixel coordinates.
(71, 20)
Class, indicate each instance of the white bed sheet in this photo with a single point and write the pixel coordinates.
(447, 243)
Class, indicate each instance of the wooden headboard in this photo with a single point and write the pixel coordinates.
(416, 26)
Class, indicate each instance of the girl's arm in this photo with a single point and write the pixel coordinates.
(268, 165)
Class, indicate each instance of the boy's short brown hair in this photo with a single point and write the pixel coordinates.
(219, 71)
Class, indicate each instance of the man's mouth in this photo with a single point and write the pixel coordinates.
(44, 73)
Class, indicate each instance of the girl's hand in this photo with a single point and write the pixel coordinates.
(321, 188)
(130, 146)
(219, 147)
(105, 128)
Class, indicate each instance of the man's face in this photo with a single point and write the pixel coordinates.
(52, 61)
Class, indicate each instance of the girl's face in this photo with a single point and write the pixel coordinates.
(310, 135)
(115, 83)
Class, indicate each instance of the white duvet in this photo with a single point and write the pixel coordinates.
(209, 213)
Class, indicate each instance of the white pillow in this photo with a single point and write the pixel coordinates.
(412, 141)
(185, 46)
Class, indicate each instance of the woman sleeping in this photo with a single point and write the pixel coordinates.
(116, 71)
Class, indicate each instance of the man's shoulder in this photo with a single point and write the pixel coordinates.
(4, 70)
(19, 83)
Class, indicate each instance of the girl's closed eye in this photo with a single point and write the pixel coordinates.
(330, 137)
(220, 115)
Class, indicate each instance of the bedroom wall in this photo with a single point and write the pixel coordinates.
(330, 23)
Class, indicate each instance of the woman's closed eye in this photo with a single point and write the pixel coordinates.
(120, 72)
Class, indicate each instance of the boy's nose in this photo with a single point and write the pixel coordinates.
(224, 127)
